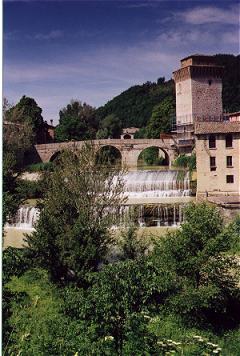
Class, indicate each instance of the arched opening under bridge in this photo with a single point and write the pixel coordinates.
(56, 156)
(109, 155)
(127, 137)
(154, 157)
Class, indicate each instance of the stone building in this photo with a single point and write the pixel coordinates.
(198, 96)
(218, 160)
(128, 133)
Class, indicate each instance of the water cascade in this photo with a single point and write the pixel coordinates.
(153, 184)
(152, 215)
(138, 184)
(25, 218)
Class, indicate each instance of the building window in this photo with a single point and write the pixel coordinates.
(229, 161)
(212, 141)
(213, 164)
(229, 140)
(230, 178)
(210, 82)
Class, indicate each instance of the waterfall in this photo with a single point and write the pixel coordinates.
(153, 215)
(152, 184)
(25, 218)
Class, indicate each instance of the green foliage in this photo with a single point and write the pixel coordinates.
(109, 127)
(30, 189)
(109, 155)
(71, 237)
(131, 246)
(150, 156)
(232, 234)
(37, 325)
(118, 301)
(231, 81)
(182, 297)
(161, 119)
(27, 112)
(40, 167)
(77, 122)
(11, 197)
(185, 161)
(14, 264)
(207, 276)
(134, 106)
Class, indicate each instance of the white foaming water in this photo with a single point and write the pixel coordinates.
(139, 184)
(151, 184)
(25, 218)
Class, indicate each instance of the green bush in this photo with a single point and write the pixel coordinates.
(30, 189)
(185, 161)
(40, 167)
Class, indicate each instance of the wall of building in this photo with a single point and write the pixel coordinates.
(206, 99)
(184, 101)
(214, 182)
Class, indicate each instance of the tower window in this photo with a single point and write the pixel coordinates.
(230, 178)
(213, 164)
(212, 141)
(229, 141)
(229, 161)
(210, 82)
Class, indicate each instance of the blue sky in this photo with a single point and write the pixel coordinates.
(55, 51)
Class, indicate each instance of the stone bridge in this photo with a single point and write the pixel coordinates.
(130, 149)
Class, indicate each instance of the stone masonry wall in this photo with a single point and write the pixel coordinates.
(206, 99)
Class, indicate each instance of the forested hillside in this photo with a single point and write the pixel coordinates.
(134, 106)
(231, 81)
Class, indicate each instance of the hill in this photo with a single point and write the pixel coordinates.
(134, 106)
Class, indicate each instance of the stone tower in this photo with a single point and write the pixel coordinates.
(198, 96)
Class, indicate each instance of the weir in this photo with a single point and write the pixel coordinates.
(154, 198)
(157, 184)
(25, 218)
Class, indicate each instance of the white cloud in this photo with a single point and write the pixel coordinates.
(52, 35)
(211, 14)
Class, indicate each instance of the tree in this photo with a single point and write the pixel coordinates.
(72, 235)
(27, 112)
(117, 304)
(17, 139)
(207, 276)
(77, 122)
(110, 126)
(161, 119)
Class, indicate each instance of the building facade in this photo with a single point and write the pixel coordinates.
(218, 158)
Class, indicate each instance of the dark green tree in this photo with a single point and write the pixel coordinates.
(207, 276)
(77, 122)
(161, 119)
(110, 126)
(27, 111)
(72, 235)
(17, 139)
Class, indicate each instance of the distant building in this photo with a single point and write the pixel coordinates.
(218, 159)
(198, 96)
(128, 133)
(234, 116)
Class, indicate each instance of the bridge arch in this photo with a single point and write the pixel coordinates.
(154, 155)
(55, 156)
(109, 154)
